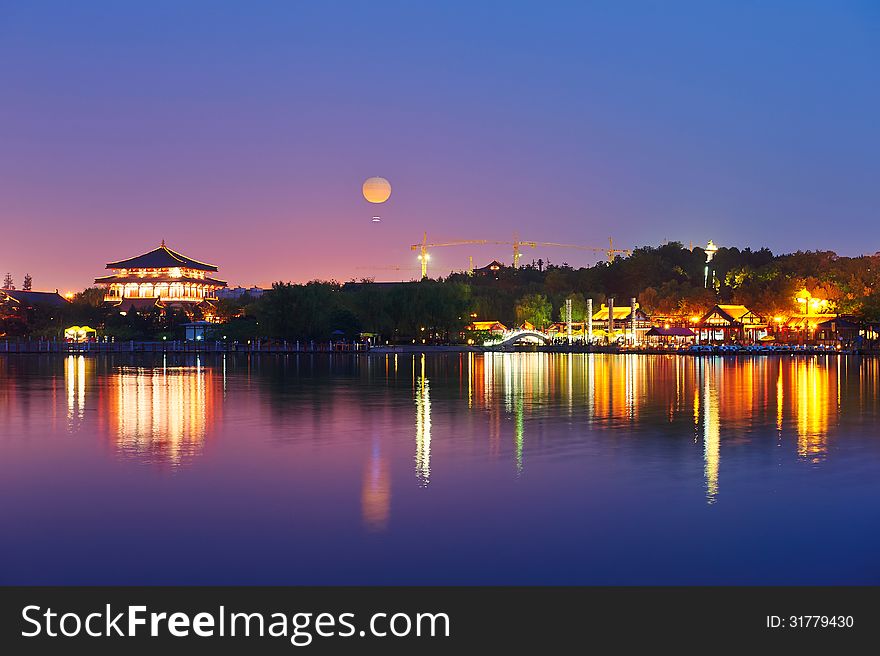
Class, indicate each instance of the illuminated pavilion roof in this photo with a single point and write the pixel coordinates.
(160, 258)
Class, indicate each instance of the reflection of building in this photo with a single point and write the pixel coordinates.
(77, 371)
(376, 492)
(162, 414)
(159, 278)
(711, 433)
(815, 398)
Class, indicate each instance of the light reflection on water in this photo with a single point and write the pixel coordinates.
(423, 426)
(564, 434)
(164, 414)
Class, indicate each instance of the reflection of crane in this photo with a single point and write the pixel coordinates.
(517, 244)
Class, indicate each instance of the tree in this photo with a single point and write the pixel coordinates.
(534, 308)
(578, 308)
(7, 281)
(649, 300)
(91, 296)
(28, 282)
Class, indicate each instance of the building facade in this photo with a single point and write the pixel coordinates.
(618, 323)
(731, 323)
(159, 278)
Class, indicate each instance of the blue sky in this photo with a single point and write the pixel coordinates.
(240, 132)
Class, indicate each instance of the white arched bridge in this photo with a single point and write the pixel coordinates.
(512, 337)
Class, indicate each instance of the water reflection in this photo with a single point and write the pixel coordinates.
(376, 491)
(77, 371)
(306, 452)
(816, 393)
(162, 414)
(711, 432)
(423, 425)
(518, 406)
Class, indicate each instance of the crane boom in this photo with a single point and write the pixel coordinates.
(424, 246)
(517, 244)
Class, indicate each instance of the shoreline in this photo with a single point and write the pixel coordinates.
(153, 348)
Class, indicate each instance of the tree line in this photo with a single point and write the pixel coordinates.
(669, 280)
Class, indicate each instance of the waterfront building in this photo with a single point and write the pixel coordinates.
(160, 278)
(18, 309)
(837, 331)
(622, 322)
(559, 330)
(731, 323)
(79, 334)
(670, 335)
(15, 299)
(492, 327)
(814, 323)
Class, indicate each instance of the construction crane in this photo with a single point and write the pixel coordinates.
(423, 247)
(387, 267)
(391, 267)
(610, 252)
(517, 244)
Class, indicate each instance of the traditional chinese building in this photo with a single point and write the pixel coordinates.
(492, 327)
(490, 269)
(18, 308)
(160, 278)
(731, 323)
(617, 323)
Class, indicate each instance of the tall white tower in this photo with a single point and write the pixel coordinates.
(710, 249)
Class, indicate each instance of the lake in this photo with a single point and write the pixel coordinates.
(505, 468)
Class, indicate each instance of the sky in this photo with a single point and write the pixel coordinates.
(241, 132)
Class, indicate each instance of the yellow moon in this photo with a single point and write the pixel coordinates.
(377, 190)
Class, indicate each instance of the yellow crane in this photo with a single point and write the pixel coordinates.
(391, 267)
(423, 247)
(387, 267)
(517, 244)
(610, 252)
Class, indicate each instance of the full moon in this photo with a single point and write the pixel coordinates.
(377, 190)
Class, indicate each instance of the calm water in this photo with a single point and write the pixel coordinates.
(411, 469)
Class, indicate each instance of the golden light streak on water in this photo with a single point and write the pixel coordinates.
(711, 434)
(423, 427)
(812, 409)
(518, 435)
(780, 399)
(77, 371)
(161, 415)
(470, 377)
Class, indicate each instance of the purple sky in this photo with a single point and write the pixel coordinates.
(241, 132)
